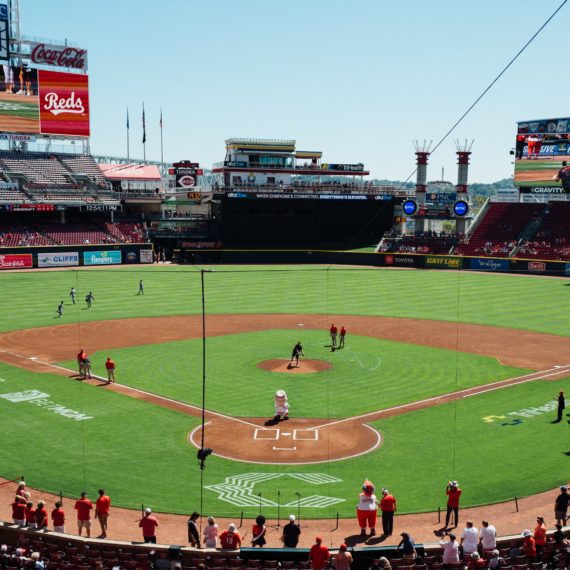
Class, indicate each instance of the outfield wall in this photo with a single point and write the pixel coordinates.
(410, 260)
(74, 255)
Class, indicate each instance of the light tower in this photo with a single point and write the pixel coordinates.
(422, 154)
(463, 153)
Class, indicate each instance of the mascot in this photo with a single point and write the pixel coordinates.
(367, 508)
(281, 406)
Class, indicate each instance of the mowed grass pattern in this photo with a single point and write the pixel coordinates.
(367, 375)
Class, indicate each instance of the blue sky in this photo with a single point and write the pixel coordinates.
(359, 81)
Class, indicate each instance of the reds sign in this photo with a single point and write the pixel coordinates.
(64, 103)
(59, 56)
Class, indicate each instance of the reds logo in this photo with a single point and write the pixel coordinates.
(57, 105)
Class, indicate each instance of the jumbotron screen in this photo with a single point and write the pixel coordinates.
(542, 149)
(39, 102)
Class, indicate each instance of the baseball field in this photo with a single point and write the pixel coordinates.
(444, 375)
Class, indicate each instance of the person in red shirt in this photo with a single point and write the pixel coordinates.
(148, 524)
(58, 518)
(528, 546)
(230, 538)
(476, 562)
(333, 331)
(81, 357)
(102, 507)
(258, 532)
(388, 507)
(318, 555)
(341, 336)
(110, 366)
(30, 515)
(21, 490)
(83, 507)
(19, 511)
(539, 536)
(453, 493)
(41, 516)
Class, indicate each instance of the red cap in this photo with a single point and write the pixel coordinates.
(318, 539)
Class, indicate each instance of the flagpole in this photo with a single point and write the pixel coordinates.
(128, 136)
(161, 143)
(144, 135)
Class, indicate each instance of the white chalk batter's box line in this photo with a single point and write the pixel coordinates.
(274, 434)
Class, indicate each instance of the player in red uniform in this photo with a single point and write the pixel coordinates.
(110, 366)
(333, 332)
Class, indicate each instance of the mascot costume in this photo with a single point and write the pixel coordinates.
(367, 508)
(281, 406)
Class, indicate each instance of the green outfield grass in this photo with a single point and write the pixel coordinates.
(30, 299)
(139, 453)
(20, 108)
(387, 373)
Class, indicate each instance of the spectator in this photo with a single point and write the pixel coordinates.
(514, 550)
(475, 562)
(343, 560)
(408, 547)
(539, 536)
(528, 546)
(19, 511)
(453, 493)
(35, 561)
(210, 533)
(561, 505)
(21, 490)
(387, 503)
(58, 518)
(102, 507)
(41, 516)
(487, 537)
(558, 535)
(384, 563)
(318, 555)
(83, 507)
(193, 534)
(258, 532)
(30, 515)
(469, 540)
(450, 550)
(496, 561)
(230, 538)
(148, 524)
(291, 532)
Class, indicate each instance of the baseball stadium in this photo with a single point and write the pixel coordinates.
(203, 342)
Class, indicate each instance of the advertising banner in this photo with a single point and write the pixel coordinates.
(542, 149)
(101, 257)
(343, 167)
(59, 56)
(537, 266)
(58, 259)
(488, 264)
(401, 260)
(16, 261)
(444, 262)
(146, 255)
(131, 257)
(64, 103)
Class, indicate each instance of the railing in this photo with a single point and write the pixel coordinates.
(347, 188)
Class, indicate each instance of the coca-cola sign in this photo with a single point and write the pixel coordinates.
(64, 103)
(59, 56)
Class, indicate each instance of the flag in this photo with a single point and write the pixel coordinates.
(144, 127)
(128, 126)
(161, 118)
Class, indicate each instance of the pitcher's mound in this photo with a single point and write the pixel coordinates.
(285, 366)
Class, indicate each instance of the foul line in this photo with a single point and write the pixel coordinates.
(562, 369)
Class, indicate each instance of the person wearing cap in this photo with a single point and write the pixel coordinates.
(561, 406)
(487, 537)
(111, 367)
(319, 554)
(450, 550)
(528, 546)
(148, 523)
(333, 332)
(41, 516)
(539, 536)
(230, 538)
(102, 509)
(453, 493)
(561, 506)
(343, 559)
(469, 539)
(388, 508)
(21, 490)
(496, 561)
(193, 534)
(83, 507)
(19, 511)
(291, 532)
(58, 518)
(475, 562)
(408, 548)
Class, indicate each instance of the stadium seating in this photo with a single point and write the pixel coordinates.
(428, 242)
(76, 233)
(498, 232)
(83, 164)
(126, 232)
(18, 236)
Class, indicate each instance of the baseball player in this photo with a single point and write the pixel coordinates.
(141, 288)
(341, 336)
(73, 294)
(297, 352)
(333, 332)
(60, 310)
(89, 299)
(110, 366)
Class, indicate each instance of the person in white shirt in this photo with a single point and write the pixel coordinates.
(469, 539)
(487, 536)
(450, 550)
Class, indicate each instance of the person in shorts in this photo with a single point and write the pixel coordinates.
(110, 366)
(102, 507)
(291, 532)
(83, 507)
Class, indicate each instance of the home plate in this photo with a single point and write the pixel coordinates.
(284, 448)
(286, 433)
